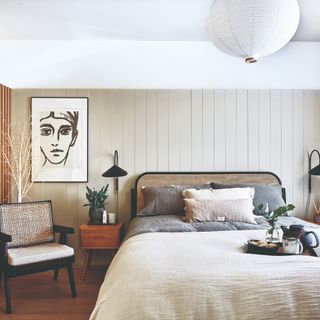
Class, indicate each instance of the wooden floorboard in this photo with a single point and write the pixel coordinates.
(37, 296)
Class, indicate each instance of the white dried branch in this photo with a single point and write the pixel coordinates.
(16, 154)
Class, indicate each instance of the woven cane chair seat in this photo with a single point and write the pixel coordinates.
(38, 253)
(28, 223)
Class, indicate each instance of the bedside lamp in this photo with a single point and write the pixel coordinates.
(115, 172)
(315, 171)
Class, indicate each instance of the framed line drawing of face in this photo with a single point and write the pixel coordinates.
(59, 139)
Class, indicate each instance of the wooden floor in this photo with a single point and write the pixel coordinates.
(37, 296)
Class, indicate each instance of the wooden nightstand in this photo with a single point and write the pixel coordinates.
(98, 237)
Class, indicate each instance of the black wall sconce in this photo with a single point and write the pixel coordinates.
(115, 172)
(315, 171)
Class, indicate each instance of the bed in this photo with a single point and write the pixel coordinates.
(169, 269)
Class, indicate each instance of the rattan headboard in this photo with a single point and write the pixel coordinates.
(148, 179)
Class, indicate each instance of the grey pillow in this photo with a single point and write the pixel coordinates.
(263, 194)
(164, 200)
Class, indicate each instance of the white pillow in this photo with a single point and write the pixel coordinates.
(219, 194)
(237, 210)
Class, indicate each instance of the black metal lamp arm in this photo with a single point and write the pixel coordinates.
(309, 168)
(115, 158)
(309, 179)
(116, 179)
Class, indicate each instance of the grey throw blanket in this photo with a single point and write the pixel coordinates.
(174, 223)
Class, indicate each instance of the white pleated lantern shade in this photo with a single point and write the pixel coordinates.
(252, 29)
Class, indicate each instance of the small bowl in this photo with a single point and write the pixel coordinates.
(256, 246)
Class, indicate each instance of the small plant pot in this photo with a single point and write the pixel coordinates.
(95, 214)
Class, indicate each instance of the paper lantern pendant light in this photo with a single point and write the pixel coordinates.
(252, 29)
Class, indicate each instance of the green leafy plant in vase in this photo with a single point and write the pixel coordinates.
(272, 218)
(96, 202)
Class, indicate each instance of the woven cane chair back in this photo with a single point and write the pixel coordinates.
(28, 223)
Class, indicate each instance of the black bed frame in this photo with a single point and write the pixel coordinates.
(134, 190)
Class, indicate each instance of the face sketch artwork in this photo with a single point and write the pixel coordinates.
(58, 133)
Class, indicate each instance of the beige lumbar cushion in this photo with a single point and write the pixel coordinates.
(236, 210)
(219, 194)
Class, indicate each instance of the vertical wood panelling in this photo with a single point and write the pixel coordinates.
(189, 130)
(253, 130)
(163, 130)
(231, 129)
(220, 131)
(152, 130)
(117, 144)
(37, 191)
(208, 130)
(286, 138)
(184, 113)
(140, 127)
(297, 146)
(174, 131)
(275, 132)
(264, 130)
(242, 130)
(106, 150)
(128, 152)
(316, 180)
(196, 129)
(308, 137)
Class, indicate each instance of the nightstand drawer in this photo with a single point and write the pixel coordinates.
(99, 239)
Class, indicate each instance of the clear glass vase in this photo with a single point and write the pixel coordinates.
(272, 235)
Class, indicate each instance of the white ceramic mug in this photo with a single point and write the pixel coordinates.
(111, 218)
(292, 246)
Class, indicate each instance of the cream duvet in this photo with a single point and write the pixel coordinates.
(206, 275)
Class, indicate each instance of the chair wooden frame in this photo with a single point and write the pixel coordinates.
(8, 271)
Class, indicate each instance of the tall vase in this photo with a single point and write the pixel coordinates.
(272, 234)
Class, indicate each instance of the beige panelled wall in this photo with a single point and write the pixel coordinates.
(186, 130)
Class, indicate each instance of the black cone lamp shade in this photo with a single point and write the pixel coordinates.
(115, 171)
(315, 171)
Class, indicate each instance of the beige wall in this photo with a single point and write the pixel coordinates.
(187, 130)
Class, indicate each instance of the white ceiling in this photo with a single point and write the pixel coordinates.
(146, 20)
(140, 44)
(157, 64)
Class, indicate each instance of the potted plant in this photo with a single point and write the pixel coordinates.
(272, 218)
(96, 202)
